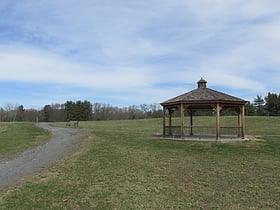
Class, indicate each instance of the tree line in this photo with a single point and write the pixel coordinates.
(78, 110)
(85, 110)
(267, 106)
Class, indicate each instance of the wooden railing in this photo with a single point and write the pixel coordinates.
(225, 131)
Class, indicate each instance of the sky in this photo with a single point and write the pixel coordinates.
(136, 52)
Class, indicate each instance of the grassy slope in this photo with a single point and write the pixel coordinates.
(16, 137)
(125, 168)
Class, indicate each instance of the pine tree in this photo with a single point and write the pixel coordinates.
(259, 104)
(273, 104)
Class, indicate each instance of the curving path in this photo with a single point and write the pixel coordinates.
(63, 142)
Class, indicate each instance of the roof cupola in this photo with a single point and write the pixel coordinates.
(201, 83)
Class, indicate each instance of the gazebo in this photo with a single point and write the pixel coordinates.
(200, 99)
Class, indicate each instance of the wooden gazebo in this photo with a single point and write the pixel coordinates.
(202, 98)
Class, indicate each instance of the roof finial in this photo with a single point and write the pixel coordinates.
(201, 83)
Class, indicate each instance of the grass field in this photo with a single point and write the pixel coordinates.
(16, 137)
(122, 166)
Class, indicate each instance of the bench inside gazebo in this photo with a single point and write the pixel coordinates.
(200, 100)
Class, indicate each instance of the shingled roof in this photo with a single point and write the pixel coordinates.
(203, 95)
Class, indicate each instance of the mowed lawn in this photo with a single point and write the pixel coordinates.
(16, 137)
(123, 166)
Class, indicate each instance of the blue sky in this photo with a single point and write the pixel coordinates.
(134, 52)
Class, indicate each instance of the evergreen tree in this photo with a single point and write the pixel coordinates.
(273, 104)
(250, 109)
(20, 113)
(259, 105)
(47, 113)
(79, 110)
(69, 110)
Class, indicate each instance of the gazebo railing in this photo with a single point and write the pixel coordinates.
(230, 131)
(200, 130)
(225, 131)
(172, 131)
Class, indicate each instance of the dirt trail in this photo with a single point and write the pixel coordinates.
(64, 141)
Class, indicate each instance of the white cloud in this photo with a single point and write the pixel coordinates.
(36, 66)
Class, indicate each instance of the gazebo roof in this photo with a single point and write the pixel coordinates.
(203, 95)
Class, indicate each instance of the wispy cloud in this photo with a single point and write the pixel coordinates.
(140, 51)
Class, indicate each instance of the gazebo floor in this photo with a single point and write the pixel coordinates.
(209, 138)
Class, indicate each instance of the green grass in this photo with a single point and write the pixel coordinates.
(16, 137)
(263, 126)
(123, 167)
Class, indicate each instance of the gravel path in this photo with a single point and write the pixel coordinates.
(63, 142)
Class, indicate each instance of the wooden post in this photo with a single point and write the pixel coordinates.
(191, 122)
(239, 121)
(218, 129)
(182, 120)
(170, 122)
(163, 121)
(243, 122)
